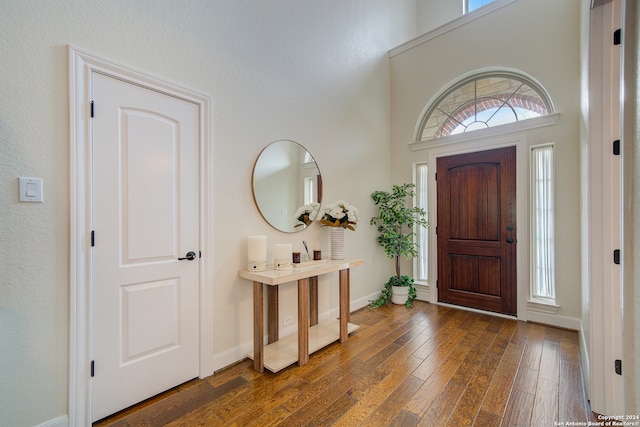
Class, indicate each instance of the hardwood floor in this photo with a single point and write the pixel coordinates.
(428, 365)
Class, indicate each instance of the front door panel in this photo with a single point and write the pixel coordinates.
(476, 230)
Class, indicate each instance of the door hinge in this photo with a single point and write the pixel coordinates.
(617, 37)
(616, 147)
(436, 176)
(93, 238)
(618, 366)
(93, 368)
(92, 109)
(616, 256)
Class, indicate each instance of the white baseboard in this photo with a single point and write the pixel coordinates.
(565, 322)
(62, 421)
(423, 292)
(359, 303)
(584, 361)
(231, 356)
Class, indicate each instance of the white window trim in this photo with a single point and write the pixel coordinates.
(496, 131)
(536, 303)
(419, 280)
(540, 305)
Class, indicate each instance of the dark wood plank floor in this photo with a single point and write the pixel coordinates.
(428, 365)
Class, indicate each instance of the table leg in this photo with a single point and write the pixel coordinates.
(303, 321)
(313, 300)
(258, 327)
(345, 299)
(272, 314)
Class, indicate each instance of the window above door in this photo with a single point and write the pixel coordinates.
(482, 101)
(471, 5)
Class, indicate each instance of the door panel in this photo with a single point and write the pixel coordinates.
(150, 153)
(159, 300)
(476, 230)
(145, 214)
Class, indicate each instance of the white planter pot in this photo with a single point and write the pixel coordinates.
(399, 294)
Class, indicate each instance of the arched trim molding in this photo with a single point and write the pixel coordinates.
(495, 100)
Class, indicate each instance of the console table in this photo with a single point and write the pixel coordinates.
(312, 335)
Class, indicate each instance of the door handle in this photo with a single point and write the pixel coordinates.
(190, 256)
(509, 239)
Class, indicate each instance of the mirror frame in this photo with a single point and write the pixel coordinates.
(269, 218)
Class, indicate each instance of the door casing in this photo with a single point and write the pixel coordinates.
(81, 66)
(603, 216)
(522, 206)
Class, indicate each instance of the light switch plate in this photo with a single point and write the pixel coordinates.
(30, 189)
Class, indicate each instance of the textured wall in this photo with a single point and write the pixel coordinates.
(314, 72)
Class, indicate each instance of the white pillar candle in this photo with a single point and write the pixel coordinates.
(283, 251)
(257, 248)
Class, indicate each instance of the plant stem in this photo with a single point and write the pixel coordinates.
(398, 266)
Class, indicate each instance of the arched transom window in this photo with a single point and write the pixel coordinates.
(482, 101)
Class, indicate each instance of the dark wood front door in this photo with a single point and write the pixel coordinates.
(477, 230)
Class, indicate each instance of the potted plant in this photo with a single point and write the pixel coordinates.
(396, 222)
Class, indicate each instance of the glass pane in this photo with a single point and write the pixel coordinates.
(481, 102)
(422, 232)
(543, 283)
(475, 4)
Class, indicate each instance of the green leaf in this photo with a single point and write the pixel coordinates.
(396, 221)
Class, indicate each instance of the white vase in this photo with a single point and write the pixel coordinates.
(399, 294)
(337, 243)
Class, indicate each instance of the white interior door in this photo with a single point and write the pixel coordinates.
(145, 216)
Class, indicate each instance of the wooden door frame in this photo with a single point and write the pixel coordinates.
(81, 66)
(522, 207)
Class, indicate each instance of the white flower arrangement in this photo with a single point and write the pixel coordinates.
(307, 213)
(340, 214)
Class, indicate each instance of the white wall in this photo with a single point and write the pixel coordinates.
(540, 38)
(434, 13)
(313, 72)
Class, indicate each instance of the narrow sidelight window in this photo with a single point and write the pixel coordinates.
(542, 234)
(422, 232)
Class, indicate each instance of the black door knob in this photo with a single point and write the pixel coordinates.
(190, 256)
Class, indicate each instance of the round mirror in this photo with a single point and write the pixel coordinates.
(287, 186)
